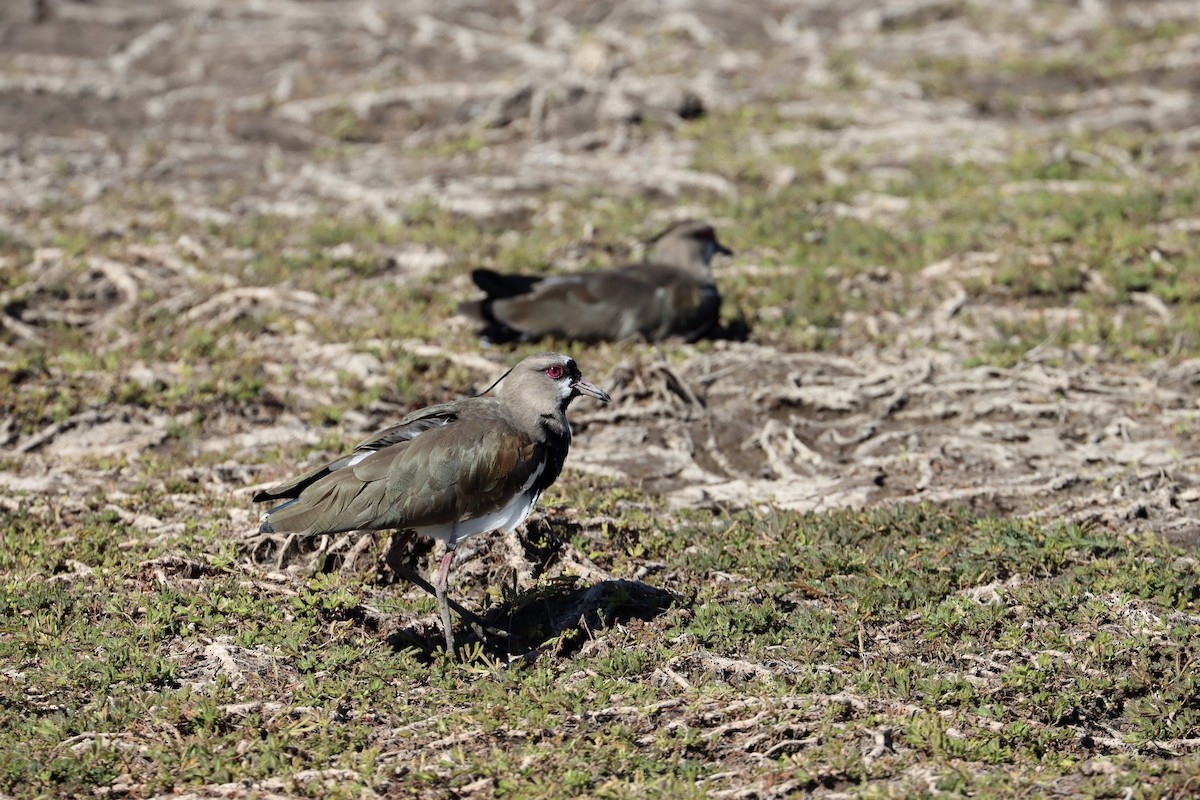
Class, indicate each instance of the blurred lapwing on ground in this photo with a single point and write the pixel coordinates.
(671, 294)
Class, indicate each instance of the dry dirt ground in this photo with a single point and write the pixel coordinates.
(193, 97)
(288, 109)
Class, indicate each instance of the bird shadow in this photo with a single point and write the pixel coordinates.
(559, 616)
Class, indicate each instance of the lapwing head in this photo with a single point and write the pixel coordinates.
(546, 383)
(687, 244)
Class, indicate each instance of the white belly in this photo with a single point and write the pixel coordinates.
(504, 519)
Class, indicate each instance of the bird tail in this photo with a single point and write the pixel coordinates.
(500, 287)
(497, 287)
(267, 526)
(333, 506)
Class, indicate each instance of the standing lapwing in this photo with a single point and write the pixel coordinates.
(448, 471)
(672, 293)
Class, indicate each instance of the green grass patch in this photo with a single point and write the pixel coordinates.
(975, 643)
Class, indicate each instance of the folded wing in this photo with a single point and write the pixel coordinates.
(459, 470)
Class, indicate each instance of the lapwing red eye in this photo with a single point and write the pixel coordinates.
(555, 372)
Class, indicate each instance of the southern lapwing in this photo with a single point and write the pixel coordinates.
(448, 471)
(672, 293)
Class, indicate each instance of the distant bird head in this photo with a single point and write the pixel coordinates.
(689, 244)
(545, 383)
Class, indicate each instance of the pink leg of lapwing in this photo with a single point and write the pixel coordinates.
(402, 570)
(443, 578)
